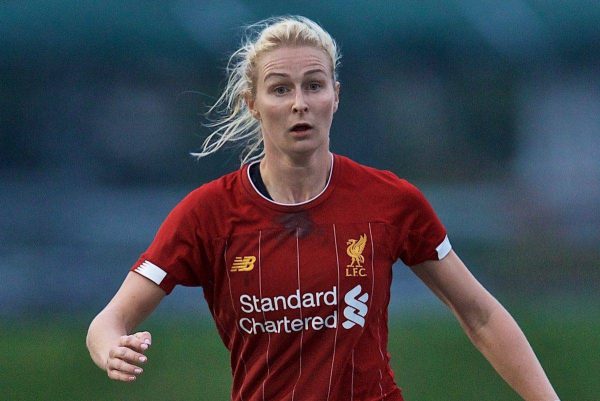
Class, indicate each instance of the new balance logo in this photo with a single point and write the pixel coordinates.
(244, 264)
(357, 308)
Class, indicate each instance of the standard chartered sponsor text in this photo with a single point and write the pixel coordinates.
(254, 304)
(285, 325)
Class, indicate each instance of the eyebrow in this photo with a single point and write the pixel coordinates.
(284, 75)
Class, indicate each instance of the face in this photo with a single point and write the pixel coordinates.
(295, 99)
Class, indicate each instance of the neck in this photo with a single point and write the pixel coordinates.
(295, 181)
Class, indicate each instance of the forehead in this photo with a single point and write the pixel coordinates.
(293, 60)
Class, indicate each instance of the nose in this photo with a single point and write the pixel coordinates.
(300, 105)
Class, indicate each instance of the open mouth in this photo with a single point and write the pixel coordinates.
(301, 127)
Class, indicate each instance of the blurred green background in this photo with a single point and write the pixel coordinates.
(492, 108)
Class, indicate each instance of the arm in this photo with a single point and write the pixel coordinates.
(111, 346)
(488, 325)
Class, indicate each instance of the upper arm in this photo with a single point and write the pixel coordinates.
(454, 284)
(135, 300)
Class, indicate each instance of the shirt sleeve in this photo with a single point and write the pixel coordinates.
(175, 256)
(423, 236)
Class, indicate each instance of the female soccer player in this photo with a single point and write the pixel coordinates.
(294, 251)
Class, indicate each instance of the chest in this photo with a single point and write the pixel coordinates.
(301, 268)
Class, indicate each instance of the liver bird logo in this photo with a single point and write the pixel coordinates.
(355, 250)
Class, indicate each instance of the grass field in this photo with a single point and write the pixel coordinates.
(432, 359)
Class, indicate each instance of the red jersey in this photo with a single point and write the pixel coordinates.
(299, 293)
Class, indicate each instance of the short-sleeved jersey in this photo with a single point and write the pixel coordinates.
(299, 293)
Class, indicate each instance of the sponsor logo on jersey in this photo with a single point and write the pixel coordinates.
(357, 308)
(354, 312)
(244, 264)
(355, 250)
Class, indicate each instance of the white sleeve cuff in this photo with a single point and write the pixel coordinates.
(444, 248)
(151, 272)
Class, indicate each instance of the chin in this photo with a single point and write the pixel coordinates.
(309, 147)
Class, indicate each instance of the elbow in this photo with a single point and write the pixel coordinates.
(475, 328)
(94, 334)
(89, 336)
(90, 343)
(477, 318)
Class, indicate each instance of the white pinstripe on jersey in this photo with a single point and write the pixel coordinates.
(301, 315)
(264, 315)
(337, 260)
(352, 381)
(236, 315)
(371, 300)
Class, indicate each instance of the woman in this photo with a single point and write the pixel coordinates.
(294, 251)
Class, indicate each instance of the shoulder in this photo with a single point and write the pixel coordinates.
(372, 178)
(216, 188)
(217, 192)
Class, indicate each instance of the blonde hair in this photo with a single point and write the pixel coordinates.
(234, 123)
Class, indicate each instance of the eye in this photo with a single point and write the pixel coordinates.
(314, 86)
(280, 90)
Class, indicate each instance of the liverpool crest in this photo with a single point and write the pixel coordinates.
(355, 250)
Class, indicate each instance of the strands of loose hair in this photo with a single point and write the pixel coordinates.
(229, 117)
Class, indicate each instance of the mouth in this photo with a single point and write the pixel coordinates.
(301, 127)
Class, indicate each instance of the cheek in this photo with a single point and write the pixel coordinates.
(327, 102)
(328, 107)
(272, 118)
(272, 115)
(335, 107)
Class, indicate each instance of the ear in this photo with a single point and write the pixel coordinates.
(251, 103)
(336, 89)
